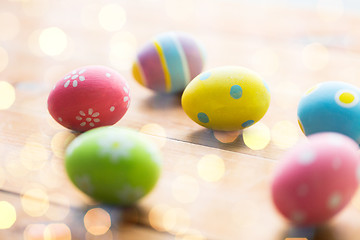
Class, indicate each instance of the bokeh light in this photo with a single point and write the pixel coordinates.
(57, 231)
(60, 210)
(60, 141)
(176, 221)
(122, 50)
(284, 134)
(257, 137)
(330, 10)
(35, 8)
(156, 133)
(7, 93)
(185, 189)
(7, 215)
(34, 232)
(34, 156)
(112, 17)
(107, 236)
(211, 168)
(35, 202)
(9, 25)
(266, 61)
(226, 137)
(53, 41)
(315, 56)
(97, 221)
(156, 215)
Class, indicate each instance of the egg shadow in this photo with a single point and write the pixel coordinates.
(323, 232)
(163, 101)
(205, 137)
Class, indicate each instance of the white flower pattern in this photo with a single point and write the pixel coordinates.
(90, 117)
(116, 146)
(74, 78)
(129, 194)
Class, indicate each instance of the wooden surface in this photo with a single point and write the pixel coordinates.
(292, 48)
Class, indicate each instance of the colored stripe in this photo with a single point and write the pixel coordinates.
(150, 64)
(173, 62)
(164, 66)
(137, 73)
(183, 60)
(193, 55)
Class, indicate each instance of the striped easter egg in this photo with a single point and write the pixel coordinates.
(169, 62)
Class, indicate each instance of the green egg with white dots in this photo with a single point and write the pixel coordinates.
(113, 165)
(226, 98)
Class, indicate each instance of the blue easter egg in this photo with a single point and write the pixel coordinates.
(331, 107)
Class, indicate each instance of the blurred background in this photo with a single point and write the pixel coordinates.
(293, 44)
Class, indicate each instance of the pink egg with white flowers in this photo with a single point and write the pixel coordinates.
(316, 179)
(89, 97)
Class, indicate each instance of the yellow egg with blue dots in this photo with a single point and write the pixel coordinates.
(226, 98)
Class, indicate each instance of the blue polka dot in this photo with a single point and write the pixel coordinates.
(236, 91)
(203, 117)
(248, 123)
(204, 76)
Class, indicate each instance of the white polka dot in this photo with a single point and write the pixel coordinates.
(73, 72)
(126, 98)
(127, 106)
(90, 111)
(112, 108)
(302, 190)
(334, 200)
(95, 114)
(60, 119)
(82, 78)
(91, 124)
(88, 119)
(74, 77)
(67, 77)
(75, 83)
(96, 120)
(78, 118)
(298, 216)
(108, 75)
(82, 71)
(336, 163)
(307, 157)
(67, 83)
(82, 113)
(83, 124)
(126, 90)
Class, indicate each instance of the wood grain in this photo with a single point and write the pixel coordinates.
(276, 41)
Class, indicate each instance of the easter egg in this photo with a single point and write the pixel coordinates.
(113, 165)
(226, 98)
(89, 97)
(316, 179)
(333, 107)
(168, 62)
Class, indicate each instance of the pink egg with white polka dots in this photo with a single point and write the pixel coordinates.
(89, 97)
(317, 178)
